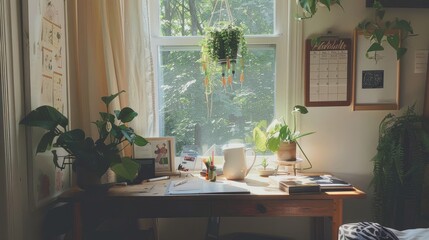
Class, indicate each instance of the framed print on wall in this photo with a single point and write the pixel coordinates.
(162, 150)
(376, 76)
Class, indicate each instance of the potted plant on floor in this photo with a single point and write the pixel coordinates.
(90, 158)
(279, 137)
(399, 169)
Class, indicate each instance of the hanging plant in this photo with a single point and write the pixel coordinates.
(223, 47)
(379, 32)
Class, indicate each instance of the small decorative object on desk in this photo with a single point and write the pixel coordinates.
(210, 169)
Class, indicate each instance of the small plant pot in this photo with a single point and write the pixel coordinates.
(286, 152)
(266, 172)
(87, 179)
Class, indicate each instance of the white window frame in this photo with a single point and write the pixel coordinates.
(288, 84)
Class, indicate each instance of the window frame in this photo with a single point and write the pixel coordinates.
(288, 86)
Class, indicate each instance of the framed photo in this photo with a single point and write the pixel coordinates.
(401, 3)
(162, 150)
(376, 76)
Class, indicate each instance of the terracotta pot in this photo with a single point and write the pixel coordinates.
(287, 152)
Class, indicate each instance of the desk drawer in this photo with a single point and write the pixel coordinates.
(149, 207)
(261, 208)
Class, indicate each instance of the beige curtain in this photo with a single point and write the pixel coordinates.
(109, 52)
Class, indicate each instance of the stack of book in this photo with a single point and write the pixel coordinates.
(309, 184)
(295, 187)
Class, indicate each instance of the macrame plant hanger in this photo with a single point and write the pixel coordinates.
(221, 18)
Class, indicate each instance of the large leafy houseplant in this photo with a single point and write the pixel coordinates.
(279, 133)
(95, 156)
(399, 166)
(379, 32)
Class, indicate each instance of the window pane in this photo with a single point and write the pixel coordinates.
(234, 112)
(188, 18)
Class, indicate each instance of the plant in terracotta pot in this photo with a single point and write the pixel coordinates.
(279, 137)
(90, 158)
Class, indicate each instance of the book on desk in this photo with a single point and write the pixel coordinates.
(310, 183)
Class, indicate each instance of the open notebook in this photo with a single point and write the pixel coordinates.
(200, 186)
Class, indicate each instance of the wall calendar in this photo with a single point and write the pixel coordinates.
(328, 72)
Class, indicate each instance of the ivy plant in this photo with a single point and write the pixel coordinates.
(379, 31)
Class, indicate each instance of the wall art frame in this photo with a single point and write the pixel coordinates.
(162, 150)
(376, 77)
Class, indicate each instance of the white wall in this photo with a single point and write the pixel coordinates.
(345, 141)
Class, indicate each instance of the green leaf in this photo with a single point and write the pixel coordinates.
(400, 52)
(327, 3)
(301, 109)
(140, 141)
(45, 117)
(108, 117)
(273, 144)
(260, 140)
(55, 159)
(128, 133)
(375, 47)
(393, 40)
(45, 142)
(127, 114)
(75, 135)
(404, 26)
(108, 99)
(127, 169)
(378, 34)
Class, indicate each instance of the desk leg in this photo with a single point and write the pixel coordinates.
(77, 222)
(318, 228)
(213, 228)
(337, 217)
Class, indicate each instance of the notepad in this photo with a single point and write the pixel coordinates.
(200, 186)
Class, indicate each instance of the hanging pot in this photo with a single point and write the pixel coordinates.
(287, 152)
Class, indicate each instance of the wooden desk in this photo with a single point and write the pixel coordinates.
(149, 201)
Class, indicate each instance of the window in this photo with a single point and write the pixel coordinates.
(177, 29)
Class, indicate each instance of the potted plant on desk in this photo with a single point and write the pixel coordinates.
(279, 137)
(90, 159)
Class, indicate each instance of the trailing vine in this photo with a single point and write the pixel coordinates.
(379, 32)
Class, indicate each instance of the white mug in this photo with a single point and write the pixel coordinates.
(235, 166)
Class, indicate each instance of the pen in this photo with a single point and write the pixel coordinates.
(158, 178)
(180, 182)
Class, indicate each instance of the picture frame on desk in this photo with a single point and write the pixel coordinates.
(162, 150)
(376, 76)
